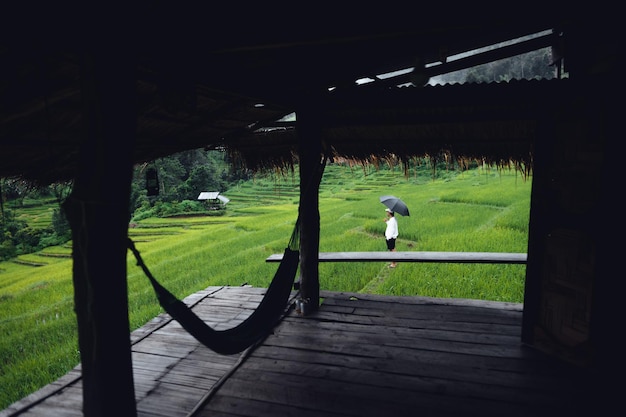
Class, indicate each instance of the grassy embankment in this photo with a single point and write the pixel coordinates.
(476, 211)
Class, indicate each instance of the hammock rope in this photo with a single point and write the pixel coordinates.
(264, 318)
(260, 322)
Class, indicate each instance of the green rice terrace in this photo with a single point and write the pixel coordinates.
(479, 210)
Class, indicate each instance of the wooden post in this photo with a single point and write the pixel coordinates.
(310, 153)
(98, 212)
(539, 226)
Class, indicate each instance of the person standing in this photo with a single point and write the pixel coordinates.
(391, 233)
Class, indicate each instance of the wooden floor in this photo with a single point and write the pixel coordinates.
(360, 355)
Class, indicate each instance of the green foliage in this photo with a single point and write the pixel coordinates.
(29, 238)
(9, 228)
(61, 225)
(7, 248)
(36, 228)
(183, 176)
(166, 209)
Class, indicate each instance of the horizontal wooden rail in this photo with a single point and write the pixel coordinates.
(441, 257)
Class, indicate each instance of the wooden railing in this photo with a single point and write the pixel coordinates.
(440, 257)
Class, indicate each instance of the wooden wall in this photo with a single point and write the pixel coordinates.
(571, 301)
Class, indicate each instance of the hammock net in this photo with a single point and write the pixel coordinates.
(254, 328)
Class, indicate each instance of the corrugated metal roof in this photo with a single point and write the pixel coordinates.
(212, 195)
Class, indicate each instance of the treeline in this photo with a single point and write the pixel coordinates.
(180, 179)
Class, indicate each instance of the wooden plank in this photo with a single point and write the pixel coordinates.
(397, 300)
(276, 370)
(384, 344)
(170, 400)
(408, 256)
(447, 313)
(431, 322)
(408, 329)
(362, 397)
(458, 370)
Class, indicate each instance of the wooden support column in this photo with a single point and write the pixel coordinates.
(98, 212)
(310, 153)
(539, 226)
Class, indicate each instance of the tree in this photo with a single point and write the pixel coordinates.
(201, 178)
(16, 189)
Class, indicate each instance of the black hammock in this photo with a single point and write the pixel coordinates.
(251, 330)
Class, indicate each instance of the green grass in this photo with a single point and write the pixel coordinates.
(477, 211)
(37, 214)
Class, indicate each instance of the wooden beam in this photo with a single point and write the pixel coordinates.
(98, 212)
(438, 257)
(310, 154)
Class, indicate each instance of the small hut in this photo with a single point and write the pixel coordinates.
(213, 200)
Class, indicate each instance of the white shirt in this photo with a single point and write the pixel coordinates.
(391, 232)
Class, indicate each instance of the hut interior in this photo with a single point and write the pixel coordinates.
(85, 95)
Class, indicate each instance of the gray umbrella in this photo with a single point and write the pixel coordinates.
(395, 204)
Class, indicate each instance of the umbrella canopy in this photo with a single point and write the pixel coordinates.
(395, 204)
